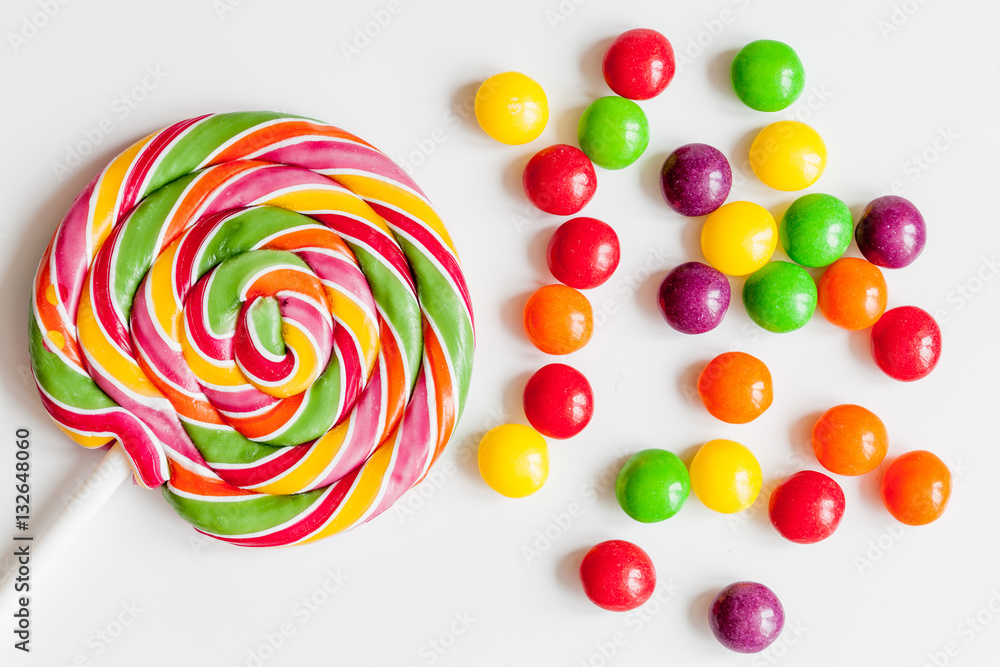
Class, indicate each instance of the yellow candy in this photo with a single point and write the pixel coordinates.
(788, 155)
(511, 108)
(514, 460)
(739, 237)
(725, 476)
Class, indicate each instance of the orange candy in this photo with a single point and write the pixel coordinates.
(852, 293)
(849, 440)
(558, 319)
(735, 387)
(916, 488)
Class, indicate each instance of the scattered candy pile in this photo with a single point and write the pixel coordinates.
(738, 239)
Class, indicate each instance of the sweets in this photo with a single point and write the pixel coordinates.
(559, 179)
(514, 460)
(739, 238)
(780, 297)
(807, 507)
(693, 298)
(767, 75)
(906, 343)
(639, 64)
(746, 617)
(852, 293)
(816, 229)
(891, 232)
(511, 108)
(558, 319)
(725, 476)
(788, 155)
(216, 268)
(613, 132)
(583, 253)
(735, 387)
(617, 575)
(558, 401)
(849, 440)
(695, 179)
(916, 488)
(652, 485)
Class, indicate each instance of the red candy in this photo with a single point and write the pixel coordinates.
(583, 253)
(558, 401)
(617, 575)
(639, 64)
(807, 507)
(906, 343)
(559, 179)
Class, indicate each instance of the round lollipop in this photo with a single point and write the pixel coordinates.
(267, 316)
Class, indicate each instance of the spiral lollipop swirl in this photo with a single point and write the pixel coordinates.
(268, 315)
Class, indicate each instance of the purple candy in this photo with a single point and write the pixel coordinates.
(891, 232)
(746, 617)
(694, 297)
(695, 179)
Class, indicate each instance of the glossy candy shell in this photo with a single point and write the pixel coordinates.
(617, 575)
(558, 401)
(652, 485)
(906, 343)
(807, 507)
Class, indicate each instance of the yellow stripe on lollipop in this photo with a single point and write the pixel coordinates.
(166, 308)
(88, 441)
(307, 366)
(209, 371)
(359, 322)
(365, 491)
(393, 195)
(327, 199)
(105, 355)
(103, 217)
(312, 466)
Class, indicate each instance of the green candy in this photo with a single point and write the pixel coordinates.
(780, 297)
(613, 132)
(653, 485)
(767, 75)
(816, 229)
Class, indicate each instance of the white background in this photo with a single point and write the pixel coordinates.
(874, 593)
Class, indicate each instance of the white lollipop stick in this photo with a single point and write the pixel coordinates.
(80, 508)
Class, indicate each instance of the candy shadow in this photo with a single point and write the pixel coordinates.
(512, 314)
(699, 610)
(464, 100)
(719, 75)
(687, 454)
(592, 68)
(860, 344)
(568, 570)
(870, 484)
(648, 295)
(566, 129)
(466, 457)
(513, 179)
(649, 178)
(606, 493)
(538, 252)
(741, 149)
(691, 239)
(800, 435)
(513, 396)
(687, 383)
